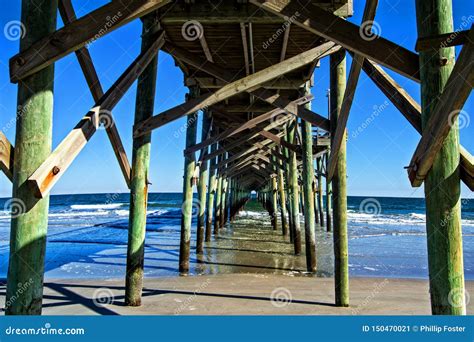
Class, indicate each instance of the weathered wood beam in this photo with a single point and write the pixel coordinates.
(409, 108)
(442, 41)
(79, 33)
(284, 44)
(243, 33)
(6, 156)
(346, 34)
(279, 141)
(278, 83)
(350, 89)
(253, 133)
(44, 178)
(445, 115)
(205, 48)
(83, 56)
(224, 75)
(231, 89)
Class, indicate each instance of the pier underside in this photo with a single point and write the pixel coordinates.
(249, 67)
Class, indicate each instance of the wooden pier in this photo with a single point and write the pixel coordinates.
(259, 132)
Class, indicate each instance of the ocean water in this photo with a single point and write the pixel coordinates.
(87, 237)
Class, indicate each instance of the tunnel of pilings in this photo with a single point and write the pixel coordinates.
(249, 67)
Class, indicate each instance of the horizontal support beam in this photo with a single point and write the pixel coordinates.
(6, 156)
(214, 83)
(44, 178)
(445, 114)
(224, 75)
(442, 41)
(79, 33)
(346, 34)
(231, 89)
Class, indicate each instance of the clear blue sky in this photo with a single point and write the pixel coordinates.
(376, 156)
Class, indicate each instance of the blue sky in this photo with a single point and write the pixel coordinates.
(376, 156)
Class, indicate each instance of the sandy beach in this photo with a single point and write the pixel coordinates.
(239, 294)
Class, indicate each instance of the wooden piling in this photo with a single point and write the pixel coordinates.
(294, 196)
(320, 191)
(341, 265)
(308, 178)
(274, 202)
(283, 212)
(32, 146)
(442, 184)
(212, 191)
(144, 107)
(217, 216)
(202, 186)
(328, 201)
(188, 202)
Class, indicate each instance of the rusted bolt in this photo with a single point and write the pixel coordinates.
(56, 170)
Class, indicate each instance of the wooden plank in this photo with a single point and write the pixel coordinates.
(350, 89)
(253, 133)
(44, 178)
(231, 89)
(243, 33)
(346, 34)
(409, 108)
(442, 41)
(279, 141)
(6, 156)
(223, 75)
(79, 33)
(67, 14)
(444, 115)
(205, 48)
